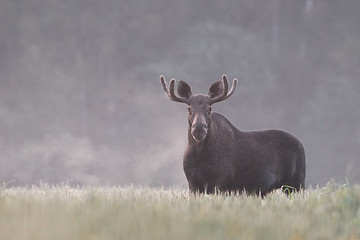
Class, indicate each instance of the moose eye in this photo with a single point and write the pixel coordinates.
(210, 109)
(189, 110)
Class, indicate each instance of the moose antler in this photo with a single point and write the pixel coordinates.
(171, 93)
(232, 90)
(225, 94)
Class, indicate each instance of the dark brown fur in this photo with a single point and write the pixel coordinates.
(221, 157)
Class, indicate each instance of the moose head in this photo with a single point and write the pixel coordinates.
(199, 105)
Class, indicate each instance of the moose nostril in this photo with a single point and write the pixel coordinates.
(199, 126)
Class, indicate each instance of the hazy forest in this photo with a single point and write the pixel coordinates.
(81, 102)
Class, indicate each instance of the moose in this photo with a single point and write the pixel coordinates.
(219, 158)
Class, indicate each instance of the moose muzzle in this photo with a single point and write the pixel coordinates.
(199, 131)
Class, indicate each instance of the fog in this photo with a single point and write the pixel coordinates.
(81, 102)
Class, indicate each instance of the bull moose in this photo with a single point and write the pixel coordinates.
(221, 158)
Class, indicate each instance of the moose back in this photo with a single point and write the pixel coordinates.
(219, 157)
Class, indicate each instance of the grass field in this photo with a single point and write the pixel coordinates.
(63, 213)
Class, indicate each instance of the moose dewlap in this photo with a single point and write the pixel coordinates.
(219, 157)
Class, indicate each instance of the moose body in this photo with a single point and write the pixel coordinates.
(219, 157)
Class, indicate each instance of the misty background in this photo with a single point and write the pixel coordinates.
(81, 101)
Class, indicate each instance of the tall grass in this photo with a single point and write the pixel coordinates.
(61, 212)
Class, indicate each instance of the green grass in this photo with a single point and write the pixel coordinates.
(51, 213)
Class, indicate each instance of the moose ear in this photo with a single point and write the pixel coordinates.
(184, 89)
(215, 89)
